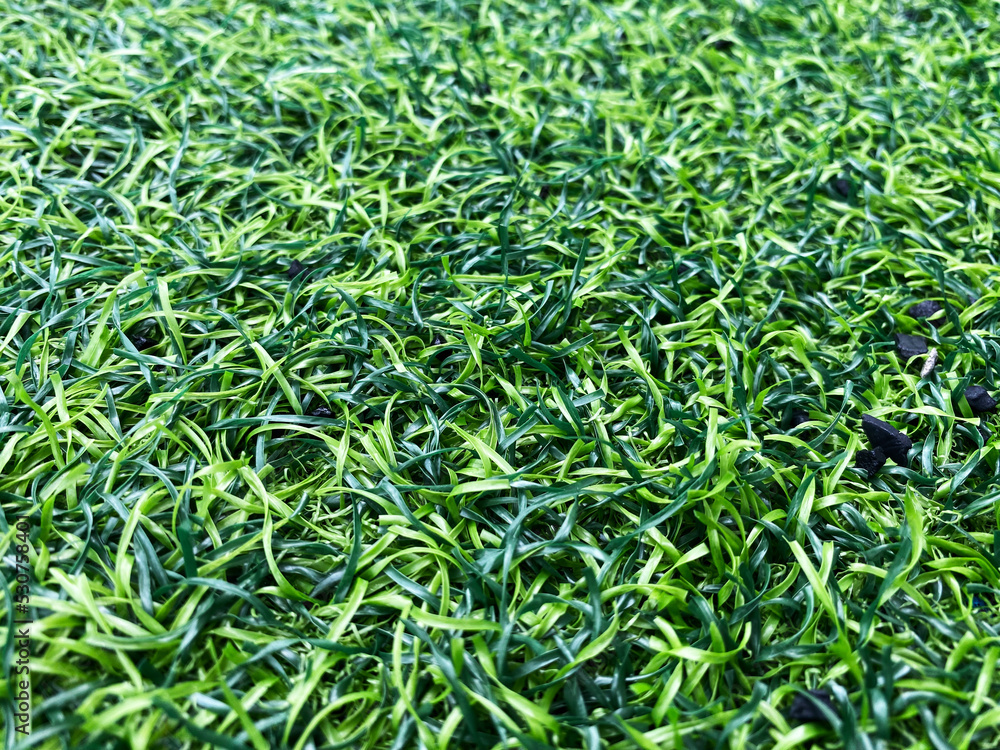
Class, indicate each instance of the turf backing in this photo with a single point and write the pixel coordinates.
(547, 440)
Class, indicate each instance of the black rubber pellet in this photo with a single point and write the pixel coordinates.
(321, 411)
(980, 401)
(797, 418)
(870, 461)
(910, 346)
(893, 443)
(924, 309)
(295, 269)
(804, 710)
(842, 186)
(142, 342)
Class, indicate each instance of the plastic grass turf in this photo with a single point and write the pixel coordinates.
(509, 460)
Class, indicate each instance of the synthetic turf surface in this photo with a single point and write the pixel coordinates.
(570, 272)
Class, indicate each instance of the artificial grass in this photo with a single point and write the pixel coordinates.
(480, 375)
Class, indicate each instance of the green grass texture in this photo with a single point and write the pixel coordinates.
(481, 375)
